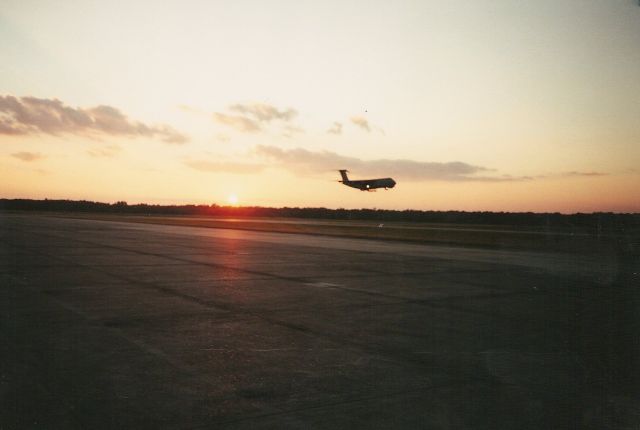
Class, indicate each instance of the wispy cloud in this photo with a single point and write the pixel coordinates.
(574, 173)
(361, 122)
(238, 122)
(224, 167)
(189, 109)
(28, 156)
(105, 151)
(221, 137)
(264, 112)
(290, 130)
(336, 128)
(32, 115)
(302, 161)
(252, 117)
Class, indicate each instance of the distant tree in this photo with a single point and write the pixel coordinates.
(596, 223)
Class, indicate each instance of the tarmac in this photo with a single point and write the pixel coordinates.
(120, 325)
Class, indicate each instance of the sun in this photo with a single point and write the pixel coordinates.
(232, 199)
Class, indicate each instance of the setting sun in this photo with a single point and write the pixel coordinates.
(232, 199)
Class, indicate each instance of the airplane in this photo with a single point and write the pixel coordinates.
(367, 184)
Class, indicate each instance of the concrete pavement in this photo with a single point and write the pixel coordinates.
(114, 325)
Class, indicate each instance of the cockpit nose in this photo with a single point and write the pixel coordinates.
(393, 183)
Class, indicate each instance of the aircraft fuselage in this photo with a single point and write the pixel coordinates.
(366, 184)
(370, 184)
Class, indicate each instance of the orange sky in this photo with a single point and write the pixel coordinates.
(510, 106)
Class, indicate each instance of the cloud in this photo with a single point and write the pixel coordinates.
(251, 117)
(221, 137)
(302, 161)
(32, 115)
(584, 174)
(189, 109)
(28, 156)
(263, 112)
(572, 174)
(361, 122)
(336, 128)
(106, 151)
(224, 167)
(240, 123)
(290, 130)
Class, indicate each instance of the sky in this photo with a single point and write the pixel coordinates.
(490, 106)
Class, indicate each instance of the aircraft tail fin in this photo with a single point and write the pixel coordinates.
(343, 173)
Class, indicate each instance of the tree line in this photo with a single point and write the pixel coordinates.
(600, 220)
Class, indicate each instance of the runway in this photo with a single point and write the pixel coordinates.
(108, 325)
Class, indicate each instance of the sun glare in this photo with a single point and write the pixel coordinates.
(232, 199)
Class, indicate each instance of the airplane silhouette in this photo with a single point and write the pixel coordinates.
(367, 184)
